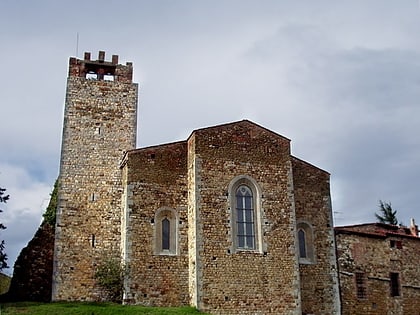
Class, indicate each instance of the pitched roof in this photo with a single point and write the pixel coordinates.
(380, 230)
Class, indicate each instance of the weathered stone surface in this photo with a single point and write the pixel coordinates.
(99, 125)
(171, 210)
(319, 280)
(32, 274)
(374, 251)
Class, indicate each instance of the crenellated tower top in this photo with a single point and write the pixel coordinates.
(100, 69)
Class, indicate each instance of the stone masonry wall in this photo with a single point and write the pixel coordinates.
(264, 281)
(99, 125)
(319, 279)
(157, 179)
(32, 273)
(374, 257)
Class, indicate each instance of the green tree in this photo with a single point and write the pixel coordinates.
(387, 214)
(50, 213)
(3, 256)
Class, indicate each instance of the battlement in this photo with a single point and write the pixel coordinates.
(100, 69)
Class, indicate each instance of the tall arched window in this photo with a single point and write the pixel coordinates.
(165, 232)
(245, 211)
(245, 218)
(302, 243)
(306, 243)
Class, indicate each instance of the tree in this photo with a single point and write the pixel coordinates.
(3, 256)
(50, 213)
(387, 214)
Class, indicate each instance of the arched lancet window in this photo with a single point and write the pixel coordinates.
(245, 218)
(302, 243)
(305, 243)
(166, 232)
(245, 214)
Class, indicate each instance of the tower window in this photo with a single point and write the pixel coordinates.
(108, 77)
(92, 76)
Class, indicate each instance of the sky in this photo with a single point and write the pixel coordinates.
(341, 79)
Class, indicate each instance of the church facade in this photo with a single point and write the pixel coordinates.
(228, 221)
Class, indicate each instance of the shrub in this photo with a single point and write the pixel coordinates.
(110, 276)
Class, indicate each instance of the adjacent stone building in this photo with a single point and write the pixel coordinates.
(227, 220)
(379, 269)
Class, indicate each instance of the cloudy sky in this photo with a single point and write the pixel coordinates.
(340, 79)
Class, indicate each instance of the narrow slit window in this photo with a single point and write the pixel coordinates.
(166, 234)
(302, 243)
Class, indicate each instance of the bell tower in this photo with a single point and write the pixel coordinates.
(100, 122)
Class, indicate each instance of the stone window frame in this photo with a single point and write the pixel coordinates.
(171, 215)
(256, 193)
(306, 228)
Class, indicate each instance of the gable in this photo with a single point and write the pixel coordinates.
(233, 140)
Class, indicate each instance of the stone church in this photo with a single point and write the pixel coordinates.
(228, 220)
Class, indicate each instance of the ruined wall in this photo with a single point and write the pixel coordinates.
(156, 182)
(318, 274)
(99, 125)
(32, 273)
(374, 258)
(226, 280)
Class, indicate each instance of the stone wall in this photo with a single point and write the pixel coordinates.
(156, 181)
(373, 257)
(32, 274)
(99, 125)
(318, 275)
(230, 281)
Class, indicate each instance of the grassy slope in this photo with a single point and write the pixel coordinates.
(90, 309)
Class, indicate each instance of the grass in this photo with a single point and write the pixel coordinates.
(67, 308)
